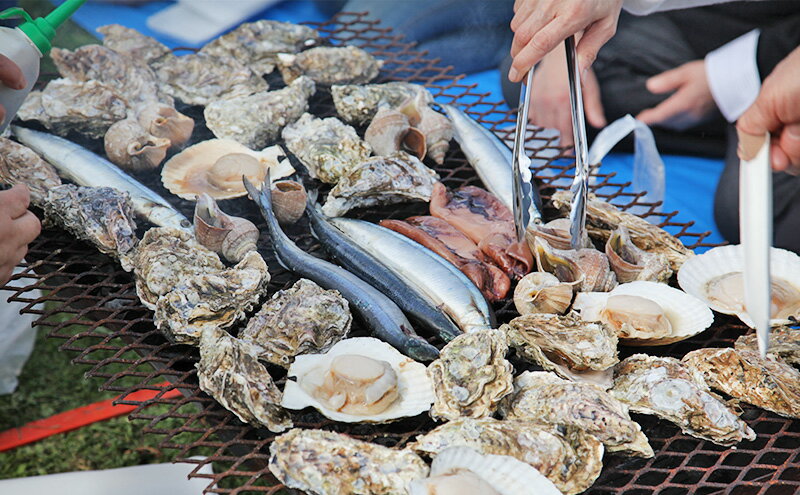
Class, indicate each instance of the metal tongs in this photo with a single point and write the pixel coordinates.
(580, 185)
(521, 164)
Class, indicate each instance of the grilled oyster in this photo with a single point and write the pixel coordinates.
(571, 460)
(544, 397)
(587, 268)
(232, 237)
(257, 120)
(664, 387)
(230, 372)
(132, 43)
(767, 383)
(304, 319)
(631, 263)
(359, 380)
(328, 65)
(21, 165)
(327, 463)
(471, 376)
(327, 147)
(542, 292)
(165, 258)
(102, 216)
(784, 342)
(358, 104)
(379, 181)
(574, 349)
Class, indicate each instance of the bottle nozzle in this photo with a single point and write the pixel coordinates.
(42, 30)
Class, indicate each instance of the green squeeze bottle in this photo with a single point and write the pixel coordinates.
(25, 45)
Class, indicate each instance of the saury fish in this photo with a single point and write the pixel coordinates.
(430, 273)
(85, 168)
(383, 317)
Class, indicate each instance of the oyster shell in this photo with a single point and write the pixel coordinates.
(326, 463)
(230, 372)
(102, 216)
(357, 104)
(571, 460)
(132, 43)
(556, 233)
(587, 267)
(574, 349)
(165, 258)
(328, 65)
(289, 200)
(304, 319)
(130, 147)
(784, 342)
(664, 387)
(163, 121)
(359, 380)
(21, 165)
(471, 376)
(437, 129)
(542, 292)
(230, 236)
(646, 313)
(631, 263)
(211, 300)
(257, 44)
(544, 397)
(257, 120)
(216, 166)
(380, 181)
(767, 383)
(327, 147)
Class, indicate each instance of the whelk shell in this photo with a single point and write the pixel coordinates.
(437, 129)
(132, 148)
(542, 292)
(588, 268)
(165, 122)
(631, 263)
(556, 233)
(288, 201)
(390, 130)
(230, 236)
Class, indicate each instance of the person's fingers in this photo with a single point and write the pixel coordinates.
(10, 74)
(526, 30)
(545, 40)
(780, 162)
(666, 81)
(593, 39)
(759, 118)
(28, 227)
(15, 201)
(2, 114)
(592, 104)
(789, 142)
(5, 274)
(664, 111)
(524, 11)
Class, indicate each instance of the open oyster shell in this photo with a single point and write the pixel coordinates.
(784, 342)
(571, 459)
(358, 104)
(646, 313)
(544, 397)
(631, 263)
(21, 165)
(132, 43)
(326, 463)
(588, 269)
(327, 147)
(471, 375)
(230, 372)
(328, 65)
(359, 380)
(304, 319)
(664, 387)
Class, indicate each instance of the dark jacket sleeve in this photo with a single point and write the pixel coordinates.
(776, 42)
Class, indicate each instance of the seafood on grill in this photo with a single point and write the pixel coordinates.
(544, 397)
(303, 319)
(542, 292)
(664, 387)
(381, 180)
(716, 278)
(289, 200)
(328, 65)
(568, 457)
(574, 349)
(359, 380)
(587, 268)
(327, 147)
(556, 233)
(462, 471)
(102, 216)
(232, 237)
(165, 258)
(163, 121)
(257, 44)
(768, 383)
(83, 167)
(132, 43)
(382, 316)
(631, 263)
(390, 132)
(358, 104)
(21, 165)
(322, 462)
(646, 313)
(230, 372)
(602, 219)
(435, 127)
(258, 119)
(215, 167)
(132, 148)
(455, 247)
(471, 376)
(485, 220)
(784, 342)
(211, 300)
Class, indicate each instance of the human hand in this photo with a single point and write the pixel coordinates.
(11, 76)
(540, 25)
(690, 104)
(777, 110)
(18, 227)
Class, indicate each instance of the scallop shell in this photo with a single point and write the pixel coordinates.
(699, 272)
(542, 292)
(686, 314)
(164, 121)
(132, 148)
(216, 166)
(230, 236)
(288, 201)
(415, 392)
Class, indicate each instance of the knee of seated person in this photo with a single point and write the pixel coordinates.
(726, 214)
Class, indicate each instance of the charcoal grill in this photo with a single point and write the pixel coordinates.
(101, 320)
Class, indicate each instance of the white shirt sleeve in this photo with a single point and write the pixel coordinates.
(732, 73)
(644, 7)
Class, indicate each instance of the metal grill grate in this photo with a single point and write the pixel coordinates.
(100, 319)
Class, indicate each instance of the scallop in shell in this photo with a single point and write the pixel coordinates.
(556, 233)
(216, 166)
(588, 268)
(784, 342)
(715, 277)
(163, 121)
(132, 148)
(21, 165)
(230, 236)
(631, 263)
(357, 104)
(646, 313)
(289, 200)
(542, 292)
(359, 380)
(329, 65)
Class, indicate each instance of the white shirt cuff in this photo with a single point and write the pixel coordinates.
(644, 7)
(732, 72)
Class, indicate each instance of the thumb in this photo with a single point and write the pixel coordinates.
(759, 118)
(666, 81)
